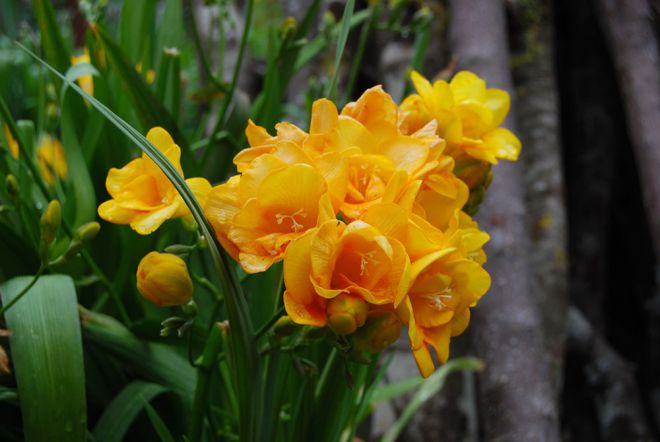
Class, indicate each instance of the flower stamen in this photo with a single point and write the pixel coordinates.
(295, 225)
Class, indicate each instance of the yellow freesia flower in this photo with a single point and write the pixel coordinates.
(142, 196)
(12, 144)
(347, 265)
(438, 305)
(51, 159)
(86, 82)
(257, 214)
(163, 279)
(468, 116)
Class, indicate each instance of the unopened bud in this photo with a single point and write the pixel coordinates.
(12, 186)
(190, 309)
(346, 313)
(50, 222)
(284, 327)
(288, 27)
(163, 279)
(381, 330)
(88, 231)
(178, 249)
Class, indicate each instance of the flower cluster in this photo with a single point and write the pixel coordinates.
(469, 117)
(366, 210)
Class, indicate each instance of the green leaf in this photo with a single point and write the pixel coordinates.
(55, 50)
(341, 44)
(124, 408)
(392, 391)
(137, 21)
(148, 107)
(429, 388)
(157, 422)
(81, 203)
(243, 350)
(46, 348)
(157, 363)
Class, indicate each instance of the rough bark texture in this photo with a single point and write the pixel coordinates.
(516, 394)
(611, 380)
(538, 118)
(634, 45)
(635, 52)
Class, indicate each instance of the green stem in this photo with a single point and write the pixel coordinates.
(212, 347)
(237, 69)
(356, 63)
(25, 290)
(324, 375)
(264, 328)
(200, 50)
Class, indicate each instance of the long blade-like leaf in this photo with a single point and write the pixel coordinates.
(124, 408)
(46, 349)
(430, 387)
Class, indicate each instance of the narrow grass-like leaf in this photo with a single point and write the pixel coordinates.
(149, 108)
(429, 388)
(137, 19)
(243, 351)
(394, 390)
(124, 409)
(82, 202)
(157, 363)
(55, 50)
(46, 348)
(157, 422)
(341, 44)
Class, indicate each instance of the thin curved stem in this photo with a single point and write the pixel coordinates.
(24, 291)
(237, 69)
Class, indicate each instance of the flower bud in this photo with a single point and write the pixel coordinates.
(163, 279)
(284, 327)
(50, 222)
(88, 231)
(12, 186)
(381, 330)
(346, 313)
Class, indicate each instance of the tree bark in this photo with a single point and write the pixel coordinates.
(517, 401)
(538, 118)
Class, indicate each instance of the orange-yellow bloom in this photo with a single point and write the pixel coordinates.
(337, 259)
(86, 82)
(12, 144)
(163, 279)
(257, 214)
(468, 116)
(51, 159)
(142, 196)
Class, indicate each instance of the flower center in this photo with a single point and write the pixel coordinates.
(365, 259)
(295, 225)
(437, 300)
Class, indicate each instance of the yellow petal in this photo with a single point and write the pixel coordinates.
(114, 213)
(503, 143)
(298, 267)
(438, 337)
(305, 314)
(118, 178)
(467, 86)
(324, 117)
(460, 322)
(147, 223)
(499, 102)
(256, 135)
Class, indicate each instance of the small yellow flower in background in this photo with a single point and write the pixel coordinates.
(149, 76)
(163, 279)
(142, 196)
(12, 144)
(86, 82)
(51, 159)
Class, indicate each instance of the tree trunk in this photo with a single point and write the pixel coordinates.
(517, 401)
